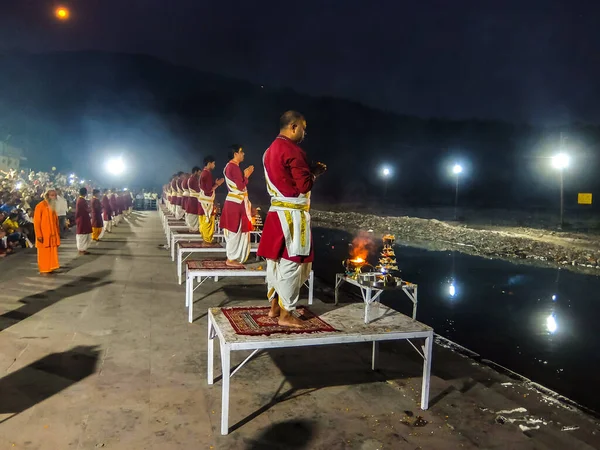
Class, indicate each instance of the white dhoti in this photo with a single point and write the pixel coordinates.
(83, 241)
(107, 226)
(179, 212)
(285, 278)
(237, 245)
(191, 220)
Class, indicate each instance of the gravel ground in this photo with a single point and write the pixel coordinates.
(579, 252)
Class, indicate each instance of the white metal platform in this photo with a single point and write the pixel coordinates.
(218, 237)
(371, 295)
(202, 275)
(185, 247)
(388, 326)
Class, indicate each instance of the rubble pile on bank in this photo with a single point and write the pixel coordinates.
(436, 235)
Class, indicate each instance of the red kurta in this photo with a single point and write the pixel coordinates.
(206, 184)
(174, 190)
(107, 212)
(185, 199)
(194, 187)
(82, 217)
(97, 221)
(235, 213)
(114, 205)
(288, 169)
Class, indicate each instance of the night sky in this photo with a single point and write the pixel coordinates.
(527, 60)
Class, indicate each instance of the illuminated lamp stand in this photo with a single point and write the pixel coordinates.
(371, 294)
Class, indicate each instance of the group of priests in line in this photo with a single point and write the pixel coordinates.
(286, 241)
(93, 218)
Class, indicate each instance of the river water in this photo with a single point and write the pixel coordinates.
(541, 323)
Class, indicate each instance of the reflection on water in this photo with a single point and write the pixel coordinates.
(537, 322)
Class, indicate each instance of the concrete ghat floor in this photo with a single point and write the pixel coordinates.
(101, 356)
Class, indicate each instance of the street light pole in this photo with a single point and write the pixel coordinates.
(562, 199)
(456, 200)
(457, 170)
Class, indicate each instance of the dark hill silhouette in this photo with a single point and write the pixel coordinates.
(69, 109)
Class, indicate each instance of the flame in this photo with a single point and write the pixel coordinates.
(360, 247)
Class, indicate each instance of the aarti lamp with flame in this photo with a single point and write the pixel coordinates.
(354, 265)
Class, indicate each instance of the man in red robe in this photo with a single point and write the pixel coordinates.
(84, 223)
(114, 206)
(107, 213)
(191, 212)
(174, 194)
(97, 222)
(286, 242)
(206, 199)
(236, 221)
(186, 199)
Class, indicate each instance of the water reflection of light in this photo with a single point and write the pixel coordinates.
(551, 323)
(452, 290)
(554, 297)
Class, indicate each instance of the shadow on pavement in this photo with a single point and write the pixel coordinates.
(46, 377)
(290, 434)
(34, 303)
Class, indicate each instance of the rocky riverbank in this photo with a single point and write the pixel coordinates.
(577, 251)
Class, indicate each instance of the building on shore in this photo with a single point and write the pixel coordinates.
(10, 157)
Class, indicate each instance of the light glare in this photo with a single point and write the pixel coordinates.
(560, 161)
(457, 169)
(551, 324)
(386, 171)
(115, 166)
(452, 290)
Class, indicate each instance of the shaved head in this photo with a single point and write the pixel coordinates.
(290, 118)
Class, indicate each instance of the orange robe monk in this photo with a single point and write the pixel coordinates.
(45, 222)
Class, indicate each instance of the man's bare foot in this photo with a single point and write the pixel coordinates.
(45, 274)
(81, 252)
(236, 264)
(275, 309)
(286, 319)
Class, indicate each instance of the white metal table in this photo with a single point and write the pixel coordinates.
(390, 326)
(371, 295)
(195, 271)
(197, 247)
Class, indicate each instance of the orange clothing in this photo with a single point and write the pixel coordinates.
(96, 232)
(45, 222)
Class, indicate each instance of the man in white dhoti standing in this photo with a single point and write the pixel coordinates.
(286, 241)
(84, 223)
(236, 221)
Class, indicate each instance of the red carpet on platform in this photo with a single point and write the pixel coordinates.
(255, 321)
(200, 245)
(210, 264)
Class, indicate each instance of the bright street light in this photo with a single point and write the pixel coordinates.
(560, 161)
(456, 170)
(115, 166)
(386, 173)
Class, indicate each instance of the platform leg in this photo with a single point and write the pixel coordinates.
(311, 286)
(375, 355)
(191, 301)
(427, 351)
(211, 352)
(225, 368)
(367, 298)
(338, 282)
(415, 304)
(188, 289)
(179, 256)
(168, 238)
(173, 248)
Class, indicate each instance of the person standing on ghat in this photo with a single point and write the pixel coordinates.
(107, 213)
(84, 223)
(97, 222)
(286, 242)
(191, 216)
(206, 207)
(236, 221)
